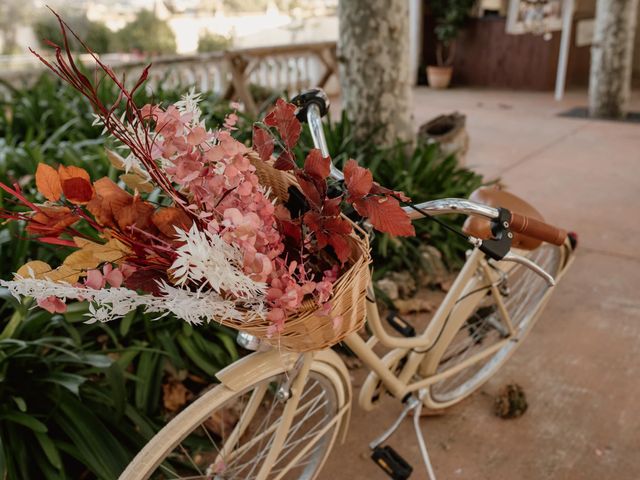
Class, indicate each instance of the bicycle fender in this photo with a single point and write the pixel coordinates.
(255, 367)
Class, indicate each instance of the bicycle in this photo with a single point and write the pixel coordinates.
(276, 414)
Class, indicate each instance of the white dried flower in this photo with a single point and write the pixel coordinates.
(207, 260)
(189, 104)
(109, 304)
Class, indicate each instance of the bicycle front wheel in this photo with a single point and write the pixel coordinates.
(523, 295)
(228, 434)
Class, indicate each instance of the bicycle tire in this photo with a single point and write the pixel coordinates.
(524, 305)
(167, 456)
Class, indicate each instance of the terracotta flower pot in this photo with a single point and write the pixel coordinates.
(439, 77)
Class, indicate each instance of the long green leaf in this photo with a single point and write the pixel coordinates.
(26, 420)
(50, 450)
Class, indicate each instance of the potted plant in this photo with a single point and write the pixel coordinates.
(449, 16)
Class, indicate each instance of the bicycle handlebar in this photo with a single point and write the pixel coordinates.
(535, 228)
(314, 104)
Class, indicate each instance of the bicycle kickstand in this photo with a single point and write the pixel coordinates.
(391, 461)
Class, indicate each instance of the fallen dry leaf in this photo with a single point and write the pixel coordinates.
(222, 421)
(175, 395)
(413, 305)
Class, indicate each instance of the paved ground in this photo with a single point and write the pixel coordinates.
(580, 367)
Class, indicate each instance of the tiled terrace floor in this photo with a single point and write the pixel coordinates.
(580, 367)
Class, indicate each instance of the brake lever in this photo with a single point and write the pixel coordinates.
(531, 265)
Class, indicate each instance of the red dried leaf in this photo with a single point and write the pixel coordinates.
(386, 215)
(316, 165)
(291, 230)
(283, 118)
(332, 231)
(146, 280)
(48, 182)
(167, 219)
(262, 143)
(78, 190)
(310, 190)
(359, 180)
(378, 189)
(331, 206)
(285, 162)
(341, 246)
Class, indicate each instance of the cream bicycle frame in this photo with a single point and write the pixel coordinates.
(428, 345)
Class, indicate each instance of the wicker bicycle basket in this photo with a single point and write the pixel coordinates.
(307, 329)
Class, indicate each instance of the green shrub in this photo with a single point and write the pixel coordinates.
(79, 399)
(95, 34)
(147, 34)
(212, 42)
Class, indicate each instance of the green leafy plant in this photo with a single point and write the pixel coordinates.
(450, 15)
(79, 401)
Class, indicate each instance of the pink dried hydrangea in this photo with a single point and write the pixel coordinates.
(213, 170)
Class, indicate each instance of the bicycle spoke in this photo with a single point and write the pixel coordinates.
(524, 291)
(272, 428)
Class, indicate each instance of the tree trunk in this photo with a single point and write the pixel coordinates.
(374, 69)
(611, 57)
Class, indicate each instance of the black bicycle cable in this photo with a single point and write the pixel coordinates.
(435, 219)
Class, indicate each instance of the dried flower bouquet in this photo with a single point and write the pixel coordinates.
(189, 229)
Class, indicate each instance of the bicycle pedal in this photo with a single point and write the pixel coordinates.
(391, 462)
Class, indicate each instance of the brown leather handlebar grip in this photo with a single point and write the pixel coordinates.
(537, 229)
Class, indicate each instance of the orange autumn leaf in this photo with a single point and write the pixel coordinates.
(67, 173)
(167, 219)
(112, 251)
(48, 182)
(137, 214)
(33, 269)
(41, 270)
(109, 199)
(81, 260)
(51, 220)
